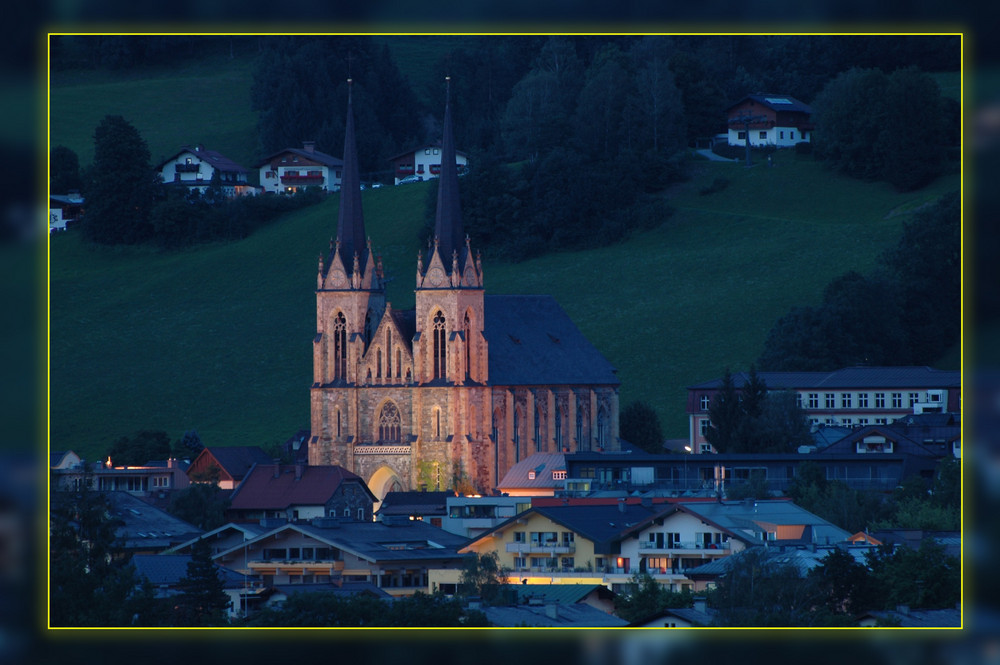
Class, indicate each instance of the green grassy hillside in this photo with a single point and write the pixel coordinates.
(218, 338)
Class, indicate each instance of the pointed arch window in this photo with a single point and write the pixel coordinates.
(389, 424)
(538, 430)
(378, 363)
(579, 429)
(440, 350)
(468, 347)
(602, 425)
(399, 362)
(558, 428)
(517, 435)
(388, 354)
(339, 427)
(340, 347)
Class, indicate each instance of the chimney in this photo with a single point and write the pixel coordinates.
(700, 605)
(309, 146)
(298, 472)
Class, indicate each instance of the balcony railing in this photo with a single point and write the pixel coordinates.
(683, 545)
(302, 179)
(549, 547)
(187, 168)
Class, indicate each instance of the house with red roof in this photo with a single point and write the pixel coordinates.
(778, 120)
(229, 464)
(293, 169)
(296, 492)
(193, 167)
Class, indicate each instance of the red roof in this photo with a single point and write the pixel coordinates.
(277, 487)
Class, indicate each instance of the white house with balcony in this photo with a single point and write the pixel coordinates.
(295, 169)
(424, 162)
(193, 168)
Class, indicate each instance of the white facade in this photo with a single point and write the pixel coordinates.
(292, 174)
(666, 551)
(471, 516)
(425, 163)
(783, 137)
(193, 168)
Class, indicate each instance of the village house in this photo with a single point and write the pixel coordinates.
(424, 162)
(154, 478)
(64, 209)
(292, 170)
(226, 465)
(776, 120)
(193, 168)
(298, 492)
(541, 474)
(852, 396)
(165, 571)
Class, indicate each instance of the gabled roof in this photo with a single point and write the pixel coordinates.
(533, 341)
(216, 159)
(543, 464)
(407, 503)
(436, 144)
(144, 527)
(751, 517)
(912, 440)
(235, 460)
(278, 487)
(560, 593)
(169, 569)
(341, 589)
(576, 615)
(775, 102)
(849, 378)
(947, 618)
(313, 155)
(250, 531)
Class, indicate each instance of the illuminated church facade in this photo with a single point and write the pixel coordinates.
(454, 392)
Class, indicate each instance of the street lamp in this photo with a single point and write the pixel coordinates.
(687, 451)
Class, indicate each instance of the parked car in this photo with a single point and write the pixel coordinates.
(376, 184)
(409, 179)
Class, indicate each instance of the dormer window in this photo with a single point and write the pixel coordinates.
(559, 475)
(531, 475)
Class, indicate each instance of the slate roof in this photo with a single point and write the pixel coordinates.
(543, 464)
(803, 559)
(345, 589)
(295, 485)
(949, 618)
(563, 594)
(377, 541)
(849, 378)
(745, 517)
(216, 159)
(579, 615)
(315, 155)
(146, 527)
(532, 341)
(169, 569)
(776, 102)
(407, 503)
(237, 460)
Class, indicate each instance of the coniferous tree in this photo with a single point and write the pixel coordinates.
(202, 601)
(725, 414)
(121, 185)
(64, 171)
(640, 425)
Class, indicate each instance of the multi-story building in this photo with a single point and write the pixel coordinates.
(853, 396)
(293, 169)
(193, 167)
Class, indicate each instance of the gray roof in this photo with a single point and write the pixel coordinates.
(237, 460)
(214, 158)
(532, 341)
(949, 618)
(345, 589)
(559, 593)
(169, 569)
(145, 527)
(776, 102)
(542, 464)
(850, 378)
(313, 155)
(577, 615)
(744, 516)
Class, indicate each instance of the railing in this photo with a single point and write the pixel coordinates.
(556, 548)
(683, 545)
(187, 168)
(291, 179)
(381, 450)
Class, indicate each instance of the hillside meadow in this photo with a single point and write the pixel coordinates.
(219, 338)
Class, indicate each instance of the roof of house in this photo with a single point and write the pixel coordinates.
(314, 155)
(236, 460)
(801, 558)
(143, 526)
(342, 589)
(436, 144)
(576, 615)
(775, 102)
(752, 518)
(410, 503)
(533, 341)
(58, 457)
(688, 614)
(377, 541)
(848, 378)
(277, 487)
(563, 594)
(947, 618)
(216, 159)
(169, 569)
(541, 465)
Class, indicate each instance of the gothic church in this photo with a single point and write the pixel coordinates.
(457, 390)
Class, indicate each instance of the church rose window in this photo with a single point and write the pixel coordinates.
(389, 424)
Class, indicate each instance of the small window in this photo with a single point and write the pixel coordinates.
(704, 401)
(763, 135)
(558, 475)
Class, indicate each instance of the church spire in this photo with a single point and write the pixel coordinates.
(350, 219)
(448, 220)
